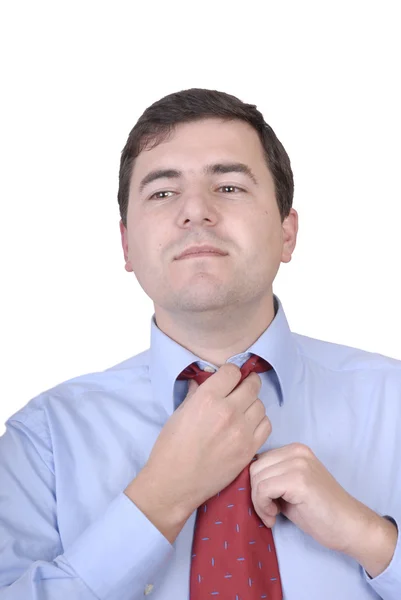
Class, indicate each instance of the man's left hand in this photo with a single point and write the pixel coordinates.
(292, 480)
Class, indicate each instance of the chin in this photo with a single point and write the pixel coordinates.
(200, 302)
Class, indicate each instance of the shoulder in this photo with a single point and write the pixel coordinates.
(339, 357)
(89, 385)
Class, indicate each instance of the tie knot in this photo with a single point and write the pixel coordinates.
(254, 363)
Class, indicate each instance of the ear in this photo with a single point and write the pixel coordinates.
(290, 231)
(124, 243)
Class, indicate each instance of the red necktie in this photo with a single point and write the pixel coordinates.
(233, 552)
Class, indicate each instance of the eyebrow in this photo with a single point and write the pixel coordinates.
(217, 168)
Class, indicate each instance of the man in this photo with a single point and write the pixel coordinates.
(101, 477)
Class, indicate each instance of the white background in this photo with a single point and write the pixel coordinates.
(75, 77)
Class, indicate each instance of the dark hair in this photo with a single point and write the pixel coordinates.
(159, 119)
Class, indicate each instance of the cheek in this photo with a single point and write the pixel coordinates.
(139, 246)
(267, 240)
(146, 249)
(265, 230)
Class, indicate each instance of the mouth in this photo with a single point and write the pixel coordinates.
(207, 254)
(201, 252)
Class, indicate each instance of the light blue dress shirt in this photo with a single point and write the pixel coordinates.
(67, 530)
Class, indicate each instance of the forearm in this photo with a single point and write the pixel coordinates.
(117, 555)
(167, 515)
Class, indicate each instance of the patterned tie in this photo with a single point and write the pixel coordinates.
(233, 552)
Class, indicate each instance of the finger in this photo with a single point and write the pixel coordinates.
(245, 394)
(279, 455)
(280, 469)
(272, 509)
(223, 381)
(255, 413)
(192, 387)
(268, 506)
(262, 432)
(267, 519)
(275, 488)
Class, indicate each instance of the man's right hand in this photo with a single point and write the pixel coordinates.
(204, 445)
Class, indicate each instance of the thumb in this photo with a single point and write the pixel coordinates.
(192, 387)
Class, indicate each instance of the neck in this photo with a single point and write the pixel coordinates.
(217, 335)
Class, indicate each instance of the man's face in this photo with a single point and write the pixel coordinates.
(234, 211)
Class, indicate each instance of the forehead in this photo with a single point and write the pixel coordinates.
(191, 145)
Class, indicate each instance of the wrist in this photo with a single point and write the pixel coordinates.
(373, 548)
(163, 510)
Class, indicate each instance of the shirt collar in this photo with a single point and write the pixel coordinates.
(167, 358)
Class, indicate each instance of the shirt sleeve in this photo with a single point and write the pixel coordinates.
(388, 584)
(116, 557)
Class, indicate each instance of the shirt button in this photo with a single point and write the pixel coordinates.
(209, 369)
(149, 588)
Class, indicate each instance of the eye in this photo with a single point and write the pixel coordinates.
(158, 196)
(229, 188)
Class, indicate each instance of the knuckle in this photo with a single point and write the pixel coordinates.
(208, 398)
(260, 404)
(261, 489)
(255, 483)
(225, 413)
(256, 410)
(301, 449)
(252, 470)
(255, 381)
(268, 424)
(264, 486)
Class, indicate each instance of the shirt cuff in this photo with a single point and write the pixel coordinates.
(121, 548)
(388, 584)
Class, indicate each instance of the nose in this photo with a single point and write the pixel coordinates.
(197, 208)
